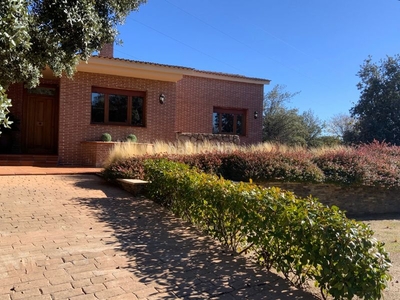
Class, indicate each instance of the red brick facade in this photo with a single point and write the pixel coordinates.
(197, 96)
(188, 107)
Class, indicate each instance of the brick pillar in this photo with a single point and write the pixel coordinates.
(107, 50)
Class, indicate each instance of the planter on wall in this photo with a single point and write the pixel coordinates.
(95, 153)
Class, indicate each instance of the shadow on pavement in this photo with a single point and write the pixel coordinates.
(165, 251)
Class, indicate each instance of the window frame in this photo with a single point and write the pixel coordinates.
(130, 94)
(235, 112)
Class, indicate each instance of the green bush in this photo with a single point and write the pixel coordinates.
(106, 137)
(131, 138)
(299, 237)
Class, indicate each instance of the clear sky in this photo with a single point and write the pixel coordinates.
(312, 46)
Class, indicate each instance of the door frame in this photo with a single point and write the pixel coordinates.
(55, 116)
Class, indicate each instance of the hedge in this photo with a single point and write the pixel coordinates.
(375, 164)
(301, 238)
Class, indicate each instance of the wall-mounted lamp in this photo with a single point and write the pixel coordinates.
(255, 115)
(161, 98)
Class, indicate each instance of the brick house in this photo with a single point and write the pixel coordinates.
(118, 96)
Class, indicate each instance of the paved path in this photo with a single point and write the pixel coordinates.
(77, 237)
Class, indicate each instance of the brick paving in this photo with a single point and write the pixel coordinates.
(77, 237)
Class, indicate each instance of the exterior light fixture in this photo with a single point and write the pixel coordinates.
(161, 98)
(255, 115)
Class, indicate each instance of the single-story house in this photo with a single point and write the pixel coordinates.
(59, 118)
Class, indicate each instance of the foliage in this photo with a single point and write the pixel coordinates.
(328, 141)
(35, 34)
(299, 237)
(378, 109)
(342, 166)
(131, 138)
(270, 166)
(340, 126)
(375, 164)
(287, 126)
(5, 103)
(106, 137)
(130, 168)
(313, 126)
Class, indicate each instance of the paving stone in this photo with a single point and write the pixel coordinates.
(67, 294)
(127, 296)
(84, 297)
(26, 294)
(60, 279)
(108, 293)
(55, 288)
(78, 237)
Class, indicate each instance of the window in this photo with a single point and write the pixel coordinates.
(118, 107)
(229, 121)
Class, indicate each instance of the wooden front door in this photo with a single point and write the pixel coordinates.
(41, 122)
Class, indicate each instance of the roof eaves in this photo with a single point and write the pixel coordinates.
(194, 72)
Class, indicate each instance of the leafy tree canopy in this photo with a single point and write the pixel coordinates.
(377, 112)
(53, 33)
(286, 125)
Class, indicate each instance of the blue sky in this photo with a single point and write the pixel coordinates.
(312, 46)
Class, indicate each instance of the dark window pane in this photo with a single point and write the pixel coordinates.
(118, 108)
(216, 122)
(227, 123)
(97, 108)
(239, 124)
(137, 111)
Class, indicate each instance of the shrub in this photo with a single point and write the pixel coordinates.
(270, 166)
(375, 164)
(106, 137)
(131, 138)
(343, 166)
(130, 168)
(299, 237)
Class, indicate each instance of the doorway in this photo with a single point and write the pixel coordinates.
(41, 120)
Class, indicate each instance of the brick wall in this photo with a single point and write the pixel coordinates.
(355, 200)
(197, 96)
(107, 50)
(75, 112)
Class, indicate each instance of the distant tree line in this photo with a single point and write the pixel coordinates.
(375, 117)
(288, 126)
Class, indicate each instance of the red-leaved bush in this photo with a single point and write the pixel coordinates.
(375, 164)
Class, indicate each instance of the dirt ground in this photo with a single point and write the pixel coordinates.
(387, 230)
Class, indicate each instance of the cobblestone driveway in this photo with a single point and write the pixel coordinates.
(77, 237)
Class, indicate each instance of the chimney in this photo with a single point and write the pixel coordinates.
(107, 50)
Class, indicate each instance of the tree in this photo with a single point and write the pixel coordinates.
(377, 112)
(286, 126)
(35, 34)
(279, 123)
(340, 125)
(313, 126)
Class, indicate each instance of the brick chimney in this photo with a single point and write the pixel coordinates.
(107, 50)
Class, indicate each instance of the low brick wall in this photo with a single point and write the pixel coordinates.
(202, 137)
(94, 154)
(356, 201)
